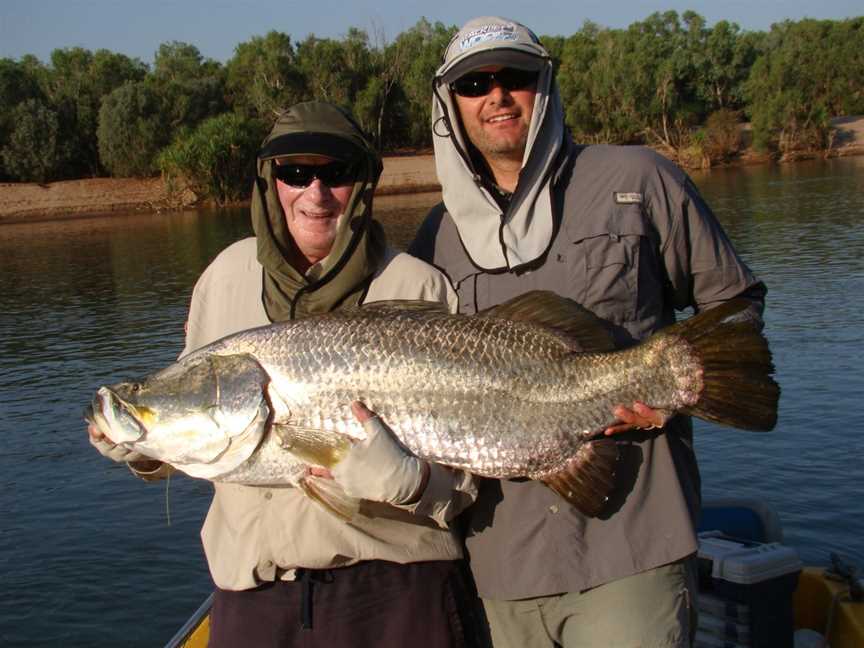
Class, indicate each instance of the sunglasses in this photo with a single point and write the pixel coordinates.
(479, 84)
(333, 174)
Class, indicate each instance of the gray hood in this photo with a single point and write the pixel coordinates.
(497, 240)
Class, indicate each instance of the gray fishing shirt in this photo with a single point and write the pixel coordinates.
(634, 243)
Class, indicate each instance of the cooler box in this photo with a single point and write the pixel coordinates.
(745, 593)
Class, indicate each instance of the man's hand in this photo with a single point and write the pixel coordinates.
(640, 417)
(378, 468)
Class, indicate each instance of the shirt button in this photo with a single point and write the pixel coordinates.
(268, 495)
(553, 508)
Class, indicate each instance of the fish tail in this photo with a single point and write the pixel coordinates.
(737, 384)
(587, 479)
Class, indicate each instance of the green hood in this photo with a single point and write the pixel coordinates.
(342, 277)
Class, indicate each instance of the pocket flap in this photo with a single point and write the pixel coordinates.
(613, 238)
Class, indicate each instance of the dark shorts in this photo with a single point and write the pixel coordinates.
(372, 603)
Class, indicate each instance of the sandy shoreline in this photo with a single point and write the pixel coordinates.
(30, 201)
(403, 174)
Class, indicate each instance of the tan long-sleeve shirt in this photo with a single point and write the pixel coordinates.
(256, 534)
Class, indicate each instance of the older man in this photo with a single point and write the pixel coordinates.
(625, 233)
(289, 573)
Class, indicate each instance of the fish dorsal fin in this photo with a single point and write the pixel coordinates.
(543, 307)
(415, 305)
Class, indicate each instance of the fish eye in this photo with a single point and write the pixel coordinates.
(136, 387)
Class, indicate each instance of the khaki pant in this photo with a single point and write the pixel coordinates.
(656, 608)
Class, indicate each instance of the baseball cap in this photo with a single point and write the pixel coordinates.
(491, 40)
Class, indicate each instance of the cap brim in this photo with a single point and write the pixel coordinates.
(309, 144)
(499, 56)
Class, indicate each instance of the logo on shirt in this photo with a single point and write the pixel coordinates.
(628, 198)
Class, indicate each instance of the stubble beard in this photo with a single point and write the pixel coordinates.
(499, 148)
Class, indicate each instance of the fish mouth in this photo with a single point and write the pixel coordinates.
(90, 415)
(115, 418)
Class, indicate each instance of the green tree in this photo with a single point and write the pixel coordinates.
(33, 152)
(423, 48)
(577, 55)
(131, 130)
(616, 89)
(109, 70)
(77, 106)
(190, 87)
(76, 82)
(723, 70)
(381, 106)
(801, 81)
(624, 86)
(18, 83)
(178, 61)
(654, 82)
(847, 48)
(665, 53)
(216, 160)
(370, 106)
(336, 71)
(263, 77)
(555, 46)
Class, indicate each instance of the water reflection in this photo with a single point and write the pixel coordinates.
(88, 551)
(801, 227)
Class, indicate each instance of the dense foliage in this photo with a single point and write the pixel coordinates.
(670, 80)
(213, 160)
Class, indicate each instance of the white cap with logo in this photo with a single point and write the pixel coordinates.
(491, 40)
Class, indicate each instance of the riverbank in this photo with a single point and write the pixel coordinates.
(402, 174)
(30, 201)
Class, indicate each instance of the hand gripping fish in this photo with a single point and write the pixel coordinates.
(523, 389)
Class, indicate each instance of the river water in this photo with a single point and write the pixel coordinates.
(90, 556)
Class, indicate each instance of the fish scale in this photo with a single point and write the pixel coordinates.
(521, 410)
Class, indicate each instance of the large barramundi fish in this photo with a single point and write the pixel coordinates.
(502, 394)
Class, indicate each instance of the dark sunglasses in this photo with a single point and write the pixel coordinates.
(333, 174)
(479, 84)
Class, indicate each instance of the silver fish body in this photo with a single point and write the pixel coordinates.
(502, 394)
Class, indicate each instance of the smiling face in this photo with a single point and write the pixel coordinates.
(497, 123)
(312, 213)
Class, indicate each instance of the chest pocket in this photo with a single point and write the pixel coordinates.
(616, 263)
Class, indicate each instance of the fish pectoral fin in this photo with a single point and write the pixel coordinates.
(330, 495)
(588, 478)
(312, 445)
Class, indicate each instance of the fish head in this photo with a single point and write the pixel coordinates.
(204, 414)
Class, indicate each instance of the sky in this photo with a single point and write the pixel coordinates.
(137, 27)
